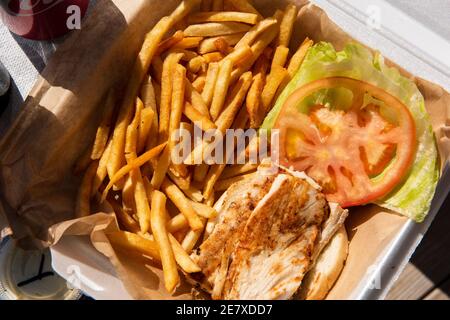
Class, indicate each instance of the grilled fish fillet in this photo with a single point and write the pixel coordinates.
(269, 231)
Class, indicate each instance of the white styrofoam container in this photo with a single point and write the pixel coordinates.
(401, 39)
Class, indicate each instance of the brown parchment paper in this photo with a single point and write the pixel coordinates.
(58, 122)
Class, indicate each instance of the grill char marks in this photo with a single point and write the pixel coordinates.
(269, 231)
(277, 244)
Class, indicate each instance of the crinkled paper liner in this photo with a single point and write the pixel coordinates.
(59, 119)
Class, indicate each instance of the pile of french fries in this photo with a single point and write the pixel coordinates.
(218, 64)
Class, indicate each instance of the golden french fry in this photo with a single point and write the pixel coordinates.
(140, 69)
(101, 173)
(196, 99)
(182, 258)
(245, 6)
(197, 118)
(145, 125)
(250, 37)
(200, 172)
(208, 44)
(280, 56)
(132, 130)
(83, 204)
(287, 24)
(222, 185)
(191, 239)
(253, 101)
(199, 83)
(237, 170)
(217, 5)
(166, 94)
(210, 82)
(222, 46)
(216, 16)
(148, 96)
(141, 200)
(211, 179)
(130, 241)
(182, 182)
(275, 78)
(128, 204)
(234, 102)
(177, 223)
(125, 221)
(187, 54)
(241, 120)
(170, 42)
(227, 117)
(188, 43)
(193, 193)
(257, 48)
(161, 169)
(182, 203)
(157, 68)
(158, 223)
(178, 92)
(298, 57)
(221, 89)
(136, 163)
(240, 55)
(196, 64)
(213, 57)
(102, 135)
(213, 29)
(204, 210)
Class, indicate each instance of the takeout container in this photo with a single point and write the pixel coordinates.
(59, 120)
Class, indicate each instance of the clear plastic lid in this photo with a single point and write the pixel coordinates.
(28, 275)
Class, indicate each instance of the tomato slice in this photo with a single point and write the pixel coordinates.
(357, 155)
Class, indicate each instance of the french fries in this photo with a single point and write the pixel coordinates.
(214, 29)
(218, 69)
(182, 203)
(245, 6)
(166, 94)
(170, 42)
(209, 44)
(221, 88)
(253, 34)
(196, 117)
(287, 24)
(140, 69)
(276, 77)
(136, 163)
(298, 57)
(130, 241)
(249, 18)
(280, 56)
(145, 125)
(158, 223)
(196, 100)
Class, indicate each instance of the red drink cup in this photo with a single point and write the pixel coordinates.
(41, 19)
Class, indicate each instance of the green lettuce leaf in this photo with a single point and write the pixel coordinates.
(413, 197)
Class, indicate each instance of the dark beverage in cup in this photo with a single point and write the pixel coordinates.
(42, 19)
